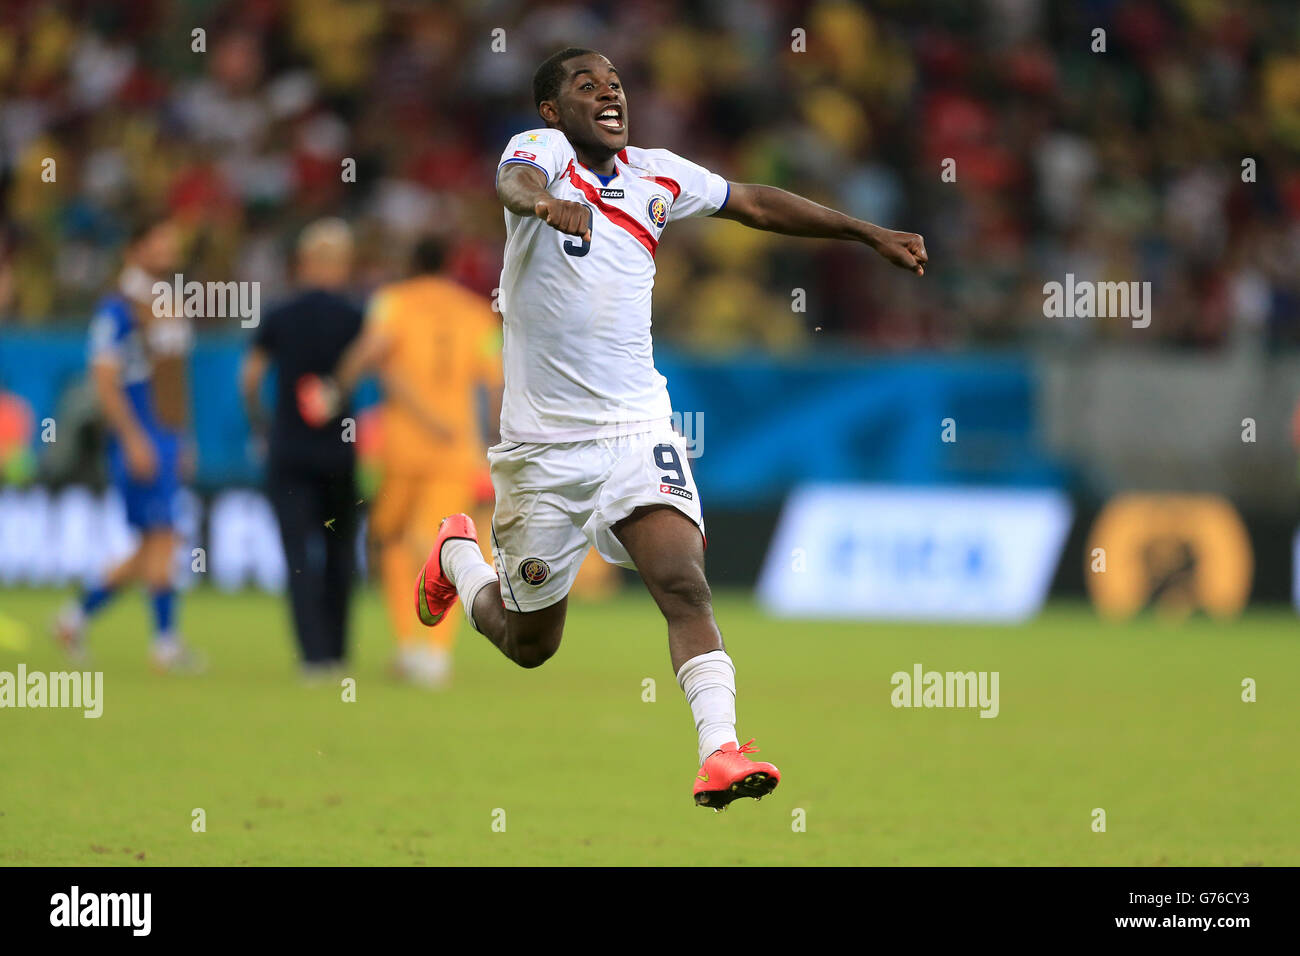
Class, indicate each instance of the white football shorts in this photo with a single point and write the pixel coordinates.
(554, 501)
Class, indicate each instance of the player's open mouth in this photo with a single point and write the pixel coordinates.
(611, 118)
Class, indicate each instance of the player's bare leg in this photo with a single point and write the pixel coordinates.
(668, 551)
(70, 623)
(529, 638)
(167, 654)
(126, 570)
(455, 568)
(73, 617)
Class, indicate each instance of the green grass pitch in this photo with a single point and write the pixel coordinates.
(1144, 720)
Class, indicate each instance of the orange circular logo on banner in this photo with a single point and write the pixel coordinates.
(1173, 553)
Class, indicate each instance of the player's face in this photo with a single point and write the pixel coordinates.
(591, 107)
(158, 250)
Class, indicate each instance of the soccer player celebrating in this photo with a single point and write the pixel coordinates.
(588, 455)
(138, 356)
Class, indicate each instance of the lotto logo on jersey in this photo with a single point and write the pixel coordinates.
(524, 154)
(658, 211)
(674, 490)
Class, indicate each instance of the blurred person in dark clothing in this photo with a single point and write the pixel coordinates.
(310, 468)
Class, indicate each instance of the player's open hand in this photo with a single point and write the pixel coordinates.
(141, 459)
(904, 249)
(319, 399)
(570, 218)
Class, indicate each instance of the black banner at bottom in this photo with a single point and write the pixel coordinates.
(335, 905)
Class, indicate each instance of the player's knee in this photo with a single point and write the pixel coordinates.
(533, 654)
(684, 592)
(158, 579)
(155, 563)
(156, 574)
(534, 648)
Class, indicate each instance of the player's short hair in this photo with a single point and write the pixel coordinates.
(331, 235)
(549, 76)
(428, 255)
(143, 224)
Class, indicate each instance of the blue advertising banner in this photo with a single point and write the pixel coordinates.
(757, 425)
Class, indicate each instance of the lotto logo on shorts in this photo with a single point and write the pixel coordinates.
(674, 490)
(534, 571)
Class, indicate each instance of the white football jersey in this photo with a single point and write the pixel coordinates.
(578, 357)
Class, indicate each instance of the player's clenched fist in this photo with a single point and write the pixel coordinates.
(570, 218)
(904, 249)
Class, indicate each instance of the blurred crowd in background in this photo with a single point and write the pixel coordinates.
(1123, 165)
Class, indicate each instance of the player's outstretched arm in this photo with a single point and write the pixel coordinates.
(522, 190)
(369, 353)
(775, 210)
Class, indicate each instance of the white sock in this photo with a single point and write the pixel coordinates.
(709, 681)
(464, 566)
(72, 616)
(165, 647)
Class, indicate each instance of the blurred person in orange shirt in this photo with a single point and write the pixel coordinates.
(437, 348)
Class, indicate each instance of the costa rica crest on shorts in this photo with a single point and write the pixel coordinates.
(534, 571)
(658, 210)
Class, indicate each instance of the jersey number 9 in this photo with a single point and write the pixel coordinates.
(666, 457)
(576, 245)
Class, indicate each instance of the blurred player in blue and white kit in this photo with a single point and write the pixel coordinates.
(138, 354)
